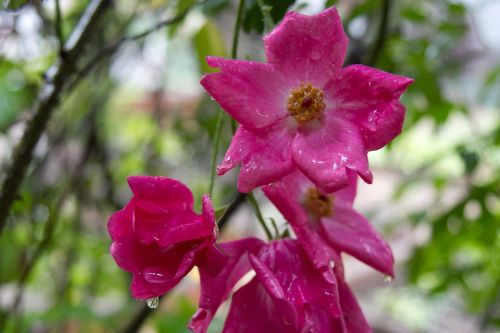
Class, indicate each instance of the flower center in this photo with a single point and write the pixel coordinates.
(319, 203)
(305, 103)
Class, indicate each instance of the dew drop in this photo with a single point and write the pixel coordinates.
(387, 278)
(332, 264)
(153, 302)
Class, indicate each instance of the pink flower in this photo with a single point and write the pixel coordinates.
(332, 217)
(157, 236)
(287, 295)
(302, 109)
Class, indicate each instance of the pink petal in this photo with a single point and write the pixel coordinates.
(264, 156)
(168, 193)
(370, 98)
(286, 195)
(219, 273)
(254, 311)
(120, 223)
(350, 232)
(352, 314)
(141, 289)
(166, 229)
(326, 153)
(253, 93)
(308, 48)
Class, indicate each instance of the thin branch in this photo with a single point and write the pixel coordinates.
(233, 207)
(58, 28)
(113, 47)
(237, 28)
(258, 213)
(73, 183)
(48, 100)
(381, 35)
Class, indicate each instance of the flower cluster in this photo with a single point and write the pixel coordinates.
(306, 126)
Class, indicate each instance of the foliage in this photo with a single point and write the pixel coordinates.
(141, 111)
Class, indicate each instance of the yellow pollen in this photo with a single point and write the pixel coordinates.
(305, 103)
(319, 203)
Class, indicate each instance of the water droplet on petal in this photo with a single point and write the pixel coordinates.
(332, 264)
(153, 302)
(387, 278)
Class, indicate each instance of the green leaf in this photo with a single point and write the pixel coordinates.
(208, 42)
(14, 4)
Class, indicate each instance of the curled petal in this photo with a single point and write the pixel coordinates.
(253, 93)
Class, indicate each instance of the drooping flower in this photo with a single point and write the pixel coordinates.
(157, 236)
(332, 217)
(288, 294)
(302, 110)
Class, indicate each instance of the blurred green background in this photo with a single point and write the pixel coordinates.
(141, 110)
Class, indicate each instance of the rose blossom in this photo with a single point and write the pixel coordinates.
(157, 236)
(332, 217)
(302, 110)
(288, 294)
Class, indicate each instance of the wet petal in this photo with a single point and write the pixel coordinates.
(353, 316)
(169, 194)
(219, 272)
(308, 48)
(373, 104)
(264, 156)
(253, 93)
(326, 153)
(350, 232)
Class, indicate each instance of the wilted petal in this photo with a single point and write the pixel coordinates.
(308, 48)
(373, 104)
(264, 156)
(350, 232)
(325, 154)
(253, 93)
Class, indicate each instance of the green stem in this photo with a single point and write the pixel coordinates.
(220, 118)
(258, 213)
(215, 152)
(237, 27)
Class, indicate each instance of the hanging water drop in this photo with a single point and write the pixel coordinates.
(153, 302)
(387, 278)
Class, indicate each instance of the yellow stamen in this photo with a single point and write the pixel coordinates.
(305, 103)
(318, 203)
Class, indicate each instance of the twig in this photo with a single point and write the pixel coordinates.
(233, 207)
(48, 100)
(73, 183)
(381, 35)
(110, 49)
(58, 28)
(258, 213)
